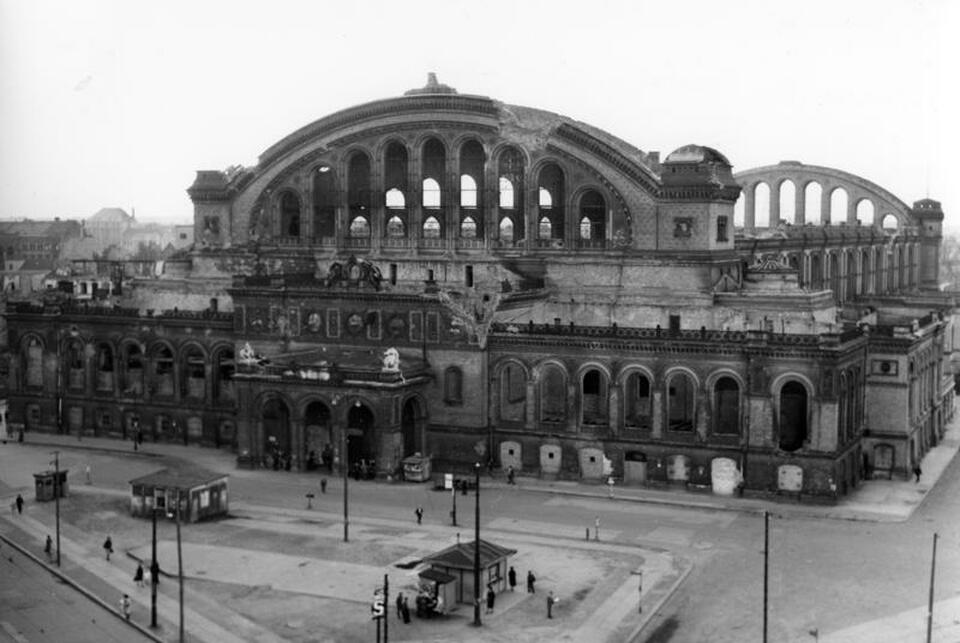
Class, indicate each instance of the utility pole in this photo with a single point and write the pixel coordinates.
(453, 513)
(386, 606)
(343, 465)
(180, 567)
(476, 553)
(933, 568)
(766, 559)
(56, 497)
(154, 571)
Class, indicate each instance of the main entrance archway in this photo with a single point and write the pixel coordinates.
(410, 426)
(317, 438)
(361, 441)
(275, 417)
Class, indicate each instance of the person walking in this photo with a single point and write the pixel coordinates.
(510, 475)
(406, 611)
(551, 601)
(512, 578)
(323, 485)
(138, 575)
(87, 471)
(48, 547)
(917, 472)
(491, 598)
(419, 513)
(596, 528)
(531, 579)
(19, 503)
(400, 606)
(125, 606)
(108, 547)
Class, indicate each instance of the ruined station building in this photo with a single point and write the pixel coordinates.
(445, 274)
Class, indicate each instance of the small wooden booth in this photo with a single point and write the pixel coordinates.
(201, 494)
(46, 485)
(416, 468)
(456, 563)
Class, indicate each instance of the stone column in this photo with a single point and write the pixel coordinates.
(531, 406)
(749, 208)
(573, 396)
(826, 217)
(490, 202)
(656, 413)
(800, 205)
(774, 205)
(613, 410)
(377, 211)
(450, 200)
(851, 210)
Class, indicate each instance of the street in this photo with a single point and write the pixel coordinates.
(824, 574)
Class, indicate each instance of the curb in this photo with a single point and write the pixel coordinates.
(638, 630)
(80, 588)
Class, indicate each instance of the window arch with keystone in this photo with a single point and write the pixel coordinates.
(637, 401)
(681, 402)
(593, 398)
(726, 406)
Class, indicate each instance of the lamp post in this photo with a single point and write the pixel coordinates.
(56, 497)
(179, 563)
(344, 467)
(476, 552)
(453, 512)
(154, 570)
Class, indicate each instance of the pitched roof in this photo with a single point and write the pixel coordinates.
(460, 556)
(179, 478)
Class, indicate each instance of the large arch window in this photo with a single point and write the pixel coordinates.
(358, 183)
(104, 367)
(546, 201)
(395, 199)
(468, 228)
(431, 193)
(133, 370)
(550, 199)
(468, 191)
(33, 362)
(163, 371)
(76, 366)
(453, 385)
(194, 381)
(431, 228)
(289, 214)
(396, 227)
(726, 393)
(637, 401)
(793, 416)
(553, 394)
(506, 229)
(593, 216)
(506, 194)
(681, 401)
(545, 228)
(359, 227)
(593, 397)
(510, 172)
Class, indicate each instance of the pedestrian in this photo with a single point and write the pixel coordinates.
(87, 471)
(400, 605)
(610, 486)
(19, 502)
(406, 610)
(125, 606)
(512, 578)
(138, 575)
(323, 485)
(108, 547)
(491, 598)
(48, 547)
(916, 471)
(419, 512)
(596, 528)
(531, 579)
(510, 475)
(551, 601)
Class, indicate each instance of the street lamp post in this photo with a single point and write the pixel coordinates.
(56, 497)
(179, 565)
(453, 512)
(343, 466)
(154, 571)
(476, 551)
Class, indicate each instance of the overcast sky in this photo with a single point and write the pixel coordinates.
(118, 103)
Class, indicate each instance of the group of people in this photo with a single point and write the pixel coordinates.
(403, 608)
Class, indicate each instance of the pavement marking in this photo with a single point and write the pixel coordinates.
(13, 632)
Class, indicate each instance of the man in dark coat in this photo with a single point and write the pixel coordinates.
(19, 502)
(512, 578)
(491, 597)
(530, 581)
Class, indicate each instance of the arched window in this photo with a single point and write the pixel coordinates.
(468, 192)
(593, 210)
(681, 394)
(358, 182)
(163, 371)
(468, 228)
(593, 398)
(506, 229)
(359, 227)
(104, 368)
(637, 401)
(133, 366)
(506, 193)
(838, 206)
(793, 416)
(289, 215)
(545, 229)
(431, 228)
(33, 358)
(453, 385)
(325, 200)
(395, 199)
(431, 193)
(225, 369)
(553, 395)
(546, 201)
(76, 366)
(513, 393)
(726, 406)
(395, 227)
(194, 382)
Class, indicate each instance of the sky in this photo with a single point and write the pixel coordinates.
(118, 103)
